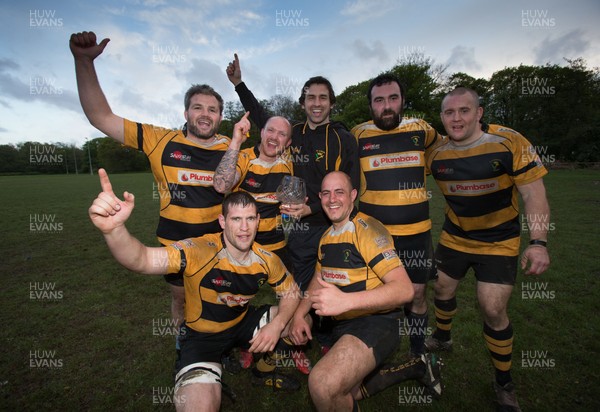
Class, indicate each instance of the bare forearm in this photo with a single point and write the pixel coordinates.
(537, 210)
(390, 295)
(133, 255)
(286, 308)
(225, 174)
(94, 102)
(305, 303)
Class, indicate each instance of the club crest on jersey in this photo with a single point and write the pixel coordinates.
(319, 155)
(346, 253)
(415, 140)
(496, 164)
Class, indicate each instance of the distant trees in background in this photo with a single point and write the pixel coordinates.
(555, 107)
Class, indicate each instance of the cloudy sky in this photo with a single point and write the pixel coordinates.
(159, 48)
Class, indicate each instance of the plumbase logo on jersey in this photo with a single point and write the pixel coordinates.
(473, 188)
(536, 359)
(290, 18)
(44, 359)
(395, 160)
(197, 178)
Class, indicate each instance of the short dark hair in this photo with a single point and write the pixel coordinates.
(237, 199)
(385, 79)
(460, 90)
(317, 80)
(201, 89)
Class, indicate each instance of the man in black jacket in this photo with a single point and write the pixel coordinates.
(318, 147)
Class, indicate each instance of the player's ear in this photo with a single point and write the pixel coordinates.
(222, 221)
(353, 194)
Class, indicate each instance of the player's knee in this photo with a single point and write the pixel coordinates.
(419, 298)
(201, 372)
(495, 316)
(323, 384)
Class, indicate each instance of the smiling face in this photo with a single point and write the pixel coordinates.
(337, 198)
(275, 137)
(460, 115)
(386, 106)
(317, 104)
(203, 116)
(239, 227)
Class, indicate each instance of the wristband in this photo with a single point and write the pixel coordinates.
(538, 242)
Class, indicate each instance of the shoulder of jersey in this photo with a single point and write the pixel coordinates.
(361, 127)
(503, 131)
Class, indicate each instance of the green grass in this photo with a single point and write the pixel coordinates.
(100, 328)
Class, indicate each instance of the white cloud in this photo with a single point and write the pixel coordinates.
(570, 45)
(462, 59)
(362, 10)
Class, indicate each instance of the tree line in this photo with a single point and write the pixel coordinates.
(555, 107)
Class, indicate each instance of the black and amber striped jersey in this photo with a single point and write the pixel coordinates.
(261, 180)
(392, 166)
(479, 182)
(356, 257)
(218, 288)
(183, 171)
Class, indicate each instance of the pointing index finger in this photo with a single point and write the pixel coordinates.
(105, 182)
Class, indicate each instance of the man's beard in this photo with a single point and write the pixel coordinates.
(387, 124)
(194, 131)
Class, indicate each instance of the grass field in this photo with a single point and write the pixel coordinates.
(81, 333)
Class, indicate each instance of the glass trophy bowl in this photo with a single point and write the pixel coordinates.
(291, 190)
